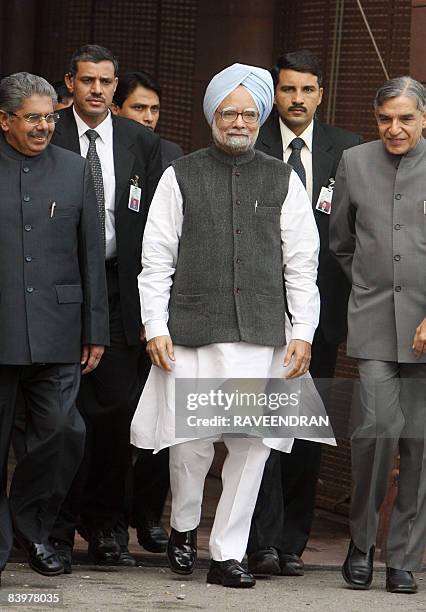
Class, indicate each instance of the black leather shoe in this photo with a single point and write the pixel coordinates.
(152, 536)
(64, 553)
(400, 581)
(126, 559)
(103, 546)
(357, 569)
(182, 551)
(230, 573)
(291, 565)
(265, 562)
(42, 557)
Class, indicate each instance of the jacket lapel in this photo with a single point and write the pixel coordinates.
(123, 160)
(66, 133)
(322, 161)
(269, 140)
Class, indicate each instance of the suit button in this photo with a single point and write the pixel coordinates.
(238, 231)
(238, 202)
(398, 288)
(28, 228)
(26, 198)
(28, 258)
(25, 169)
(397, 226)
(30, 289)
(238, 260)
(237, 290)
(237, 173)
(397, 257)
(398, 196)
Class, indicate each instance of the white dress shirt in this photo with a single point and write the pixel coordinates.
(305, 154)
(104, 148)
(300, 246)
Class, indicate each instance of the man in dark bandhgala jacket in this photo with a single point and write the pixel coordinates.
(53, 312)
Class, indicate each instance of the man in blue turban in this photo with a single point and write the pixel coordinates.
(230, 233)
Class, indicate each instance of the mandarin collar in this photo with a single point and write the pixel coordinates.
(10, 151)
(231, 160)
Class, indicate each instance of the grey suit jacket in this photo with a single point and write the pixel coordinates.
(52, 274)
(378, 234)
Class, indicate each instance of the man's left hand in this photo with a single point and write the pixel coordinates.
(91, 356)
(419, 341)
(300, 352)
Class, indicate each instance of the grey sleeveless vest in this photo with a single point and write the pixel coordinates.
(229, 285)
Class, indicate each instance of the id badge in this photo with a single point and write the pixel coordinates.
(135, 198)
(324, 200)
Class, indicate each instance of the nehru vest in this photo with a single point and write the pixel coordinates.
(228, 284)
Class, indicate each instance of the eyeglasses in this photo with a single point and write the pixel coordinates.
(229, 115)
(35, 119)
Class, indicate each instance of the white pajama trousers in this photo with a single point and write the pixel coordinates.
(241, 477)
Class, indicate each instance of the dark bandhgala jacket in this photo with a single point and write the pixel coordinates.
(328, 144)
(136, 153)
(52, 275)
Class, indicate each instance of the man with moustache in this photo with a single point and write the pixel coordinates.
(53, 312)
(138, 97)
(126, 165)
(377, 232)
(228, 227)
(284, 512)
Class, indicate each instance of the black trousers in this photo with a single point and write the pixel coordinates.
(54, 443)
(97, 497)
(285, 505)
(148, 479)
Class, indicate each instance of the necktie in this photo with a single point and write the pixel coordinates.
(95, 166)
(295, 160)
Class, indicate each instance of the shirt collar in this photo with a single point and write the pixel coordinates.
(104, 129)
(287, 135)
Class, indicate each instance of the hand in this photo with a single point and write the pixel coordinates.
(91, 356)
(300, 352)
(142, 335)
(160, 350)
(419, 341)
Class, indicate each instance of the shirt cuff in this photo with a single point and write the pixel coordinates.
(301, 331)
(156, 328)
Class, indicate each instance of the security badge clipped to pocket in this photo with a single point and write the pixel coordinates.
(135, 195)
(325, 197)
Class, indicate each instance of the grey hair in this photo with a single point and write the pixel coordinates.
(15, 88)
(401, 86)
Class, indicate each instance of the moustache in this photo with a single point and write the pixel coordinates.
(95, 99)
(295, 107)
(39, 133)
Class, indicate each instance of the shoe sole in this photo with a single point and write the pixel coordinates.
(241, 585)
(39, 571)
(294, 572)
(354, 585)
(154, 549)
(265, 571)
(405, 591)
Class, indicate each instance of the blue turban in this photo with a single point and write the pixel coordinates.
(256, 80)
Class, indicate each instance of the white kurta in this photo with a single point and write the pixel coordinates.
(153, 425)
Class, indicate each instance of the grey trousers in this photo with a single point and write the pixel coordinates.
(391, 416)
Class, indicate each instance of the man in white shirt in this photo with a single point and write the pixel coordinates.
(126, 165)
(284, 512)
(224, 223)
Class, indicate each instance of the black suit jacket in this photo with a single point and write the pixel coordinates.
(169, 152)
(136, 152)
(328, 144)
